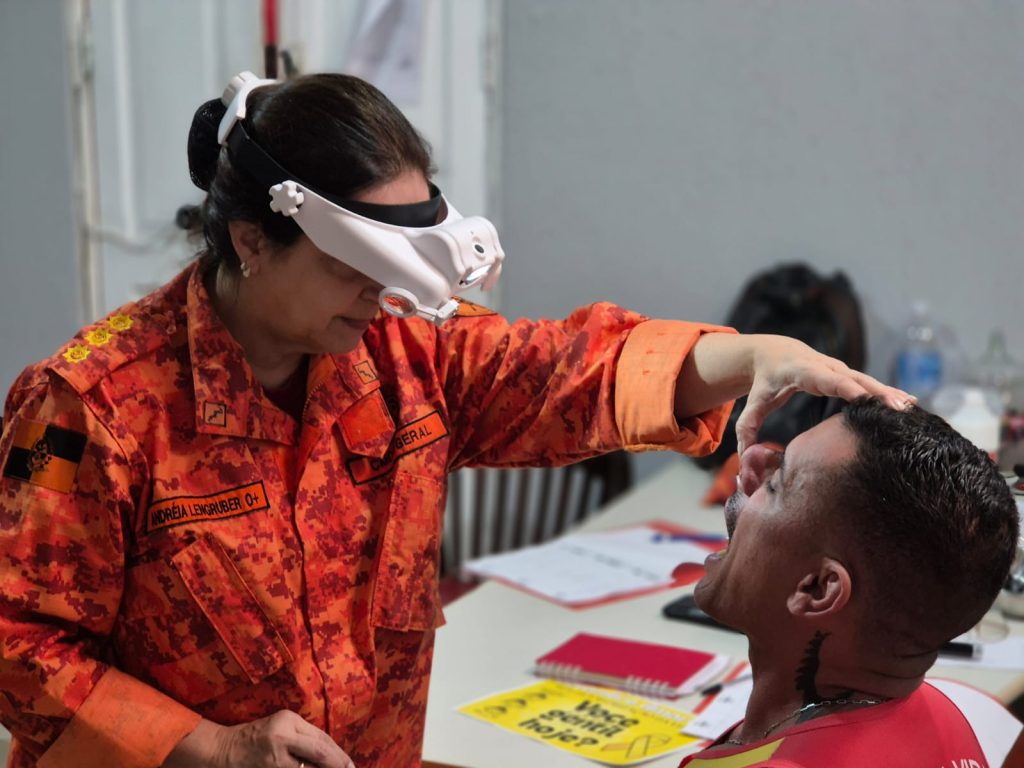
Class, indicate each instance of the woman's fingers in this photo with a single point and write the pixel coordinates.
(760, 402)
(849, 385)
(799, 368)
(310, 745)
(282, 740)
(891, 396)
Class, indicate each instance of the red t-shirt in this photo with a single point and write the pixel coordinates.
(924, 729)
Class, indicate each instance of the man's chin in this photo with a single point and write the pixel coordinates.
(701, 593)
(704, 595)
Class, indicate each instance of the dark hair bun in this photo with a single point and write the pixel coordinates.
(203, 149)
(189, 218)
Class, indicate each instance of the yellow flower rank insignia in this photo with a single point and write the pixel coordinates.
(76, 353)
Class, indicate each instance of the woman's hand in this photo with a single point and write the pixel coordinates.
(723, 366)
(282, 740)
(783, 366)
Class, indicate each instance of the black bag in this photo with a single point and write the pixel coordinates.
(824, 313)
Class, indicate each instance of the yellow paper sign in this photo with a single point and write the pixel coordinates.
(612, 728)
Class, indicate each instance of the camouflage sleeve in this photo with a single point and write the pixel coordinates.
(65, 488)
(555, 392)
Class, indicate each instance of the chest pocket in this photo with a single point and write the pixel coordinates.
(406, 595)
(192, 626)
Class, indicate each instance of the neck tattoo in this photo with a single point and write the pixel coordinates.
(808, 668)
(805, 676)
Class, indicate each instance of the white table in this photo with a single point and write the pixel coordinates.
(495, 632)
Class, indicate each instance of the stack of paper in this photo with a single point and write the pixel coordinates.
(587, 568)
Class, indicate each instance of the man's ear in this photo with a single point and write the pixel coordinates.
(822, 592)
(248, 240)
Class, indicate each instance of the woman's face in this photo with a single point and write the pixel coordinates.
(313, 303)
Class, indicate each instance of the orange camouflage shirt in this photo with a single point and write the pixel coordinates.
(173, 546)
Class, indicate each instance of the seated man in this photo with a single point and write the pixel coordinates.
(875, 538)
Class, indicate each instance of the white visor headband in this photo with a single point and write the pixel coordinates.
(420, 267)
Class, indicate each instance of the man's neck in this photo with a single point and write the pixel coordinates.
(820, 679)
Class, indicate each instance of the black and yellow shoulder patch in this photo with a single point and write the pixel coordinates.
(470, 309)
(45, 455)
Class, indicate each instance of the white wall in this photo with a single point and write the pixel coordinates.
(40, 302)
(657, 153)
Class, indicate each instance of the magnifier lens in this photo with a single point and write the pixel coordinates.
(475, 275)
(398, 305)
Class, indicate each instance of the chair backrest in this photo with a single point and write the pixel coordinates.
(496, 510)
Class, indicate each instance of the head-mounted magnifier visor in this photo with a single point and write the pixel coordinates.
(421, 253)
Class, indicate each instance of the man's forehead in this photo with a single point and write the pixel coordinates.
(823, 445)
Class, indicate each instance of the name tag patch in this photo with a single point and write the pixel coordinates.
(408, 438)
(217, 506)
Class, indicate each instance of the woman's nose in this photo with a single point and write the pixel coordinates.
(757, 464)
(371, 291)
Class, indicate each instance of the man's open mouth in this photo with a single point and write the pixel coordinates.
(732, 512)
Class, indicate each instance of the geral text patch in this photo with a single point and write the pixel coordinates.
(408, 438)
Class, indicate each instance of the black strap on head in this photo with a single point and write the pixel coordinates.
(254, 160)
(425, 214)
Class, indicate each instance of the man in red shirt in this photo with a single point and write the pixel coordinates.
(876, 537)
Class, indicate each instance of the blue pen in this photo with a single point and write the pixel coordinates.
(698, 537)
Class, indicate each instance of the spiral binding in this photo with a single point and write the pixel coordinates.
(558, 671)
(634, 684)
(649, 687)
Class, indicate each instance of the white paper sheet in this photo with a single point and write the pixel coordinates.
(725, 710)
(585, 567)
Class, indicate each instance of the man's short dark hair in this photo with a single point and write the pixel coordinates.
(934, 522)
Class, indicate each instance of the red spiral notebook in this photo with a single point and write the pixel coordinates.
(650, 669)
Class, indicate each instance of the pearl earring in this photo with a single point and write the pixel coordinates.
(246, 269)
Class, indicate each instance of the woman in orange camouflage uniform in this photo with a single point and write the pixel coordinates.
(220, 510)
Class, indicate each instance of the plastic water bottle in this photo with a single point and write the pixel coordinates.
(997, 369)
(919, 361)
(973, 412)
(999, 372)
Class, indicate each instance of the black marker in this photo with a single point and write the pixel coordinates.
(717, 687)
(961, 649)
